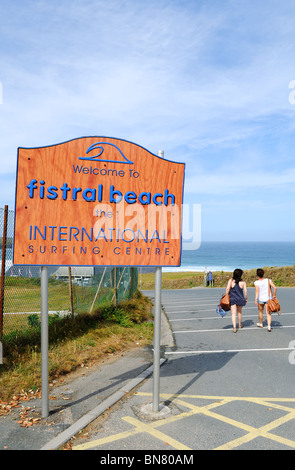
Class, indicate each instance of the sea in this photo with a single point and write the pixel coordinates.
(227, 256)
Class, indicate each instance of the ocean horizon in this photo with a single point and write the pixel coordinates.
(227, 256)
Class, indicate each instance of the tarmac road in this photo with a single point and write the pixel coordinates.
(218, 390)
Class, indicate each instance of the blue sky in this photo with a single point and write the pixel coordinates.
(207, 81)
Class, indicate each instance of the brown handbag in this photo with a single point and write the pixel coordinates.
(225, 302)
(273, 304)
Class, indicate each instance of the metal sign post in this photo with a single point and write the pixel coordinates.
(157, 332)
(157, 338)
(44, 342)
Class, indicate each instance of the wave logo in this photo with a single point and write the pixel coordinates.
(100, 146)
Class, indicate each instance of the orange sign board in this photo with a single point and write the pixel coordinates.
(97, 201)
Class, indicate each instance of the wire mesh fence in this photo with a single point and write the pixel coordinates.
(71, 290)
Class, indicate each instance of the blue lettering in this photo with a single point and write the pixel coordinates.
(113, 192)
(65, 190)
(92, 192)
(144, 238)
(36, 229)
(155, 236)
(167, 196)
(111, 229)
(164, 239)
(155, 196)
(125, 230)
(60, 233)
(130, 197)
(75, 191)
(148, 198)
(52, 230)
(52, 194)
(41, 193)
(90, 237)
(74, 234)
(31, 186)
(99, 197)
(103, 235)
(77, 169)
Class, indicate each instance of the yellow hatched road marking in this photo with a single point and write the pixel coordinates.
(251, 432)
(155, 433)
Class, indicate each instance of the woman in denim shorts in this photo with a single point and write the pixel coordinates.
(262, 296)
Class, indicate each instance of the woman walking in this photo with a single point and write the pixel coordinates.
(237, 290)
(262, 295)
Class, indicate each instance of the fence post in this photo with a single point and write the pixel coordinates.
(3, 269)
(71, 291)
(132, 282)
(115, 296)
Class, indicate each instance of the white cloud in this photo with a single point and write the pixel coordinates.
(207, 81)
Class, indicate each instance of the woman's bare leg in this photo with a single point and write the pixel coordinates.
(234, 317)
(240, 316)
(268, 318)
(260, 313)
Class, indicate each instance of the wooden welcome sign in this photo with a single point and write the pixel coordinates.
(97, 201)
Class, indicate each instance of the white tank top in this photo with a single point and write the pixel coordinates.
(263, 290)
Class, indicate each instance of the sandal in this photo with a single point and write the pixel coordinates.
(259, 325)
(234, 330)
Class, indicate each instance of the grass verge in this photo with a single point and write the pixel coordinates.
(282, 277)
(83, 340)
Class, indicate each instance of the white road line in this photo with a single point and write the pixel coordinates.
(229, 329)
(217, 317)
(173, 306)
(196, 306)
(207, 310)
(218, 351)
(171, 301)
